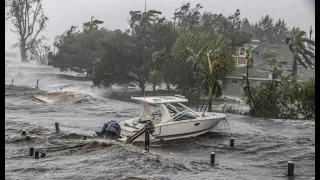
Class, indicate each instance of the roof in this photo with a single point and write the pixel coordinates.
(161, 99)
(261, 67)
(247, 28)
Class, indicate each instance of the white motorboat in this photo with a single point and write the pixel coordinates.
(170, 118)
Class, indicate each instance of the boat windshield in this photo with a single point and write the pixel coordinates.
(177, 111)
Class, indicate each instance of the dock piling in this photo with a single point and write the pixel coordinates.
(57, 126)
(232, 142)
(36, 154)
(31, 151)
(290, 168)
(213, 157)
(24, 132)
(37, 84)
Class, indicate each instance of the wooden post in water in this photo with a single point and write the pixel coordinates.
(146, 138)
(213, 157)
(84, 137)
(43, 154)
(31, 151)
(12, 81)
(36, 154)
(24, 132)
(290, 168)
(232, 142)
(37, 84)
(57, 127)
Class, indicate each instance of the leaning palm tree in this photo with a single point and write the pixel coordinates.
(91, 24)
(249, 65)
(139, 20)
(195, 58)
(299, 50)
(214, 65)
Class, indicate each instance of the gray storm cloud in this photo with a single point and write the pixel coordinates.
(115, 13)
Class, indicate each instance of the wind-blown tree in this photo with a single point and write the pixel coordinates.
(196, 58)
(189, 56)
(187, 18)
(154, 74)
(247, 86)
(40, 53)
(92, 24)
(29, 21)
(78, 50)
(133, 51)
(271, 31)
(229, 27)
(217, 68)
(297, 45)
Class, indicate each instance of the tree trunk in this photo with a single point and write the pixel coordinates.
(154, 85)
(210, 99)
(23, 51)
(96, 82)
(198, 91)
(142, 88)
(294, 70)
(210, 105)
(249, 88)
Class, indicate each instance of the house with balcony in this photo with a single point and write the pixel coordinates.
(261, 71)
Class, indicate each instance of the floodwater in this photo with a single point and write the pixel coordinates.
(262, 146)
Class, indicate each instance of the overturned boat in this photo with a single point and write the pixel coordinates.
(170, 119)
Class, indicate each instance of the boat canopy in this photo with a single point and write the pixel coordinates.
(161, 99)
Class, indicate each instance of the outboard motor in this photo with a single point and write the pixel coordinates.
(111, 129)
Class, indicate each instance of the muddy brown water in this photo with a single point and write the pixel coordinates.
(262, 146)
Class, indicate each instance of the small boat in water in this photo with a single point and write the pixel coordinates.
(170, 119)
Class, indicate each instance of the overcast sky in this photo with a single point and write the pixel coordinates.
(115, 13)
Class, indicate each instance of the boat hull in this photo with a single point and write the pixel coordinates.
(176, 129)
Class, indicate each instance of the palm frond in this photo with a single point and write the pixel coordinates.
(305, 57)
(302, 33)
(308, 52)
(309, 41)
(153, 12)
(301, 62)
(191, 51)
(98, 22)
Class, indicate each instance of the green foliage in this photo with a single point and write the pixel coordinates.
(299, 50)
(271, 31)
(307, 99)
(92, 24)
(280, 98)
(78, 50)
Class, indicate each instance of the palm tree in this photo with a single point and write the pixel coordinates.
(214, 67)
(195, 58)
(91, 24)
(299, 50)
(157, 55)
(249, 65)
(139, 20)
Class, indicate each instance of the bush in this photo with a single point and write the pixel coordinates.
(307, 99)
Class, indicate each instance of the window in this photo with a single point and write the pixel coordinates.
(242, 51)
(185, 115)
